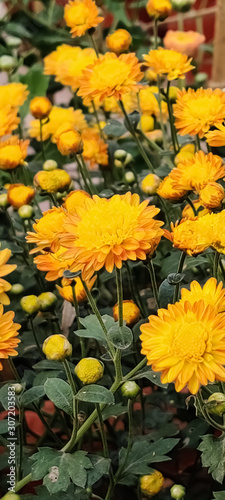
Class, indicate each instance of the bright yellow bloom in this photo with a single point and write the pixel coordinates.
(170, 192)
(197, 110)
(108, 232)
(197, 172)
(19, 194)
(216, 138)
(57, 347)
(173, 91)
(81, 15)
(187, 212)
(56, 117)
(159, 9)
(152, 484)
(192, 235)
(66, 290)
(150, 184)
(69, 141)
(168, 62)
(8, 120)
(12, 153)
(211, 293)
(119, 41)
(217, 233)
(146, 123)
(186, 153)
(150, 75)
(186, 42)
(13, 95)
(47, 229)
(54, 263)
(53, 61)
(40, 107)
(95, 149)
(186, 342)
(149, 104)
(9, 335)
(52, 181)
(131, 312)
(212, 195)
(89, 370)
(75, 199)
(4, 270)
(110, 76)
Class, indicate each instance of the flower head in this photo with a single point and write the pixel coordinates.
(75, 199)
(131, 312)
(159, 9)
(19, 194)
(13, 94)
(57, 347)
(52, 181)
(212, 293)
(191, 235)
(12, 153)
(4, 270)
(217, 235)
(186, 342)
(188, 213)
(9, 335)
(8, 120)
(40, 107)
(119, 41)
(89, 370)
(95, 149)
(168, 62)
(110, 76)
(108, 232)
(212, 195)
(66, 291)
(68, 140)
(169, 191)
(216, 138)
(152, 484)
(197, 172)
(54, 263)
(186, 42)
(46, 230)
(57, 116)
(186, 153)
(81, 15)
(197, 110)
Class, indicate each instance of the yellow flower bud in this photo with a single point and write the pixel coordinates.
(89, 370)
(212, 195)
(57, 347)
(17, 289)
(40, 107)
(53, 181)
(131, 312)
(3, 200)
(118, 41)
(30, 304)
(173, 93)
(11, 496)
(47, 300)
(146, 123)
(152, 484)
(186, 153)
(19, 195)
(68, 140)
(159, 9)
(150, 184)
(151, 75)
(188, 213)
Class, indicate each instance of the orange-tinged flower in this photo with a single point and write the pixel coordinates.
(159, 9)
(54, 263)
(197, 110)
(40, 107)
(66, 291)
(52, 181)
(129, 101)
(216, 138)
(149, 104)
(170, 192)
(75, 199)
(168, 62)
(217, 234)
(131, 312)
(68, 140)
(8, 120)
(186, 153)
(57, 116)
(47, 229)
(186, 42)
(53, 61)
(95, 149)
(110, 75)
(9, 335)
(13, 94)
(187, 212)
(4, 270)
(212, 293)
(107, 232)
(19, 194)
(152, 483)
(119, 41)
(212, 195)
(12, 153)
(186, 343)
(197, 172)
(192, 235)
(81, 15)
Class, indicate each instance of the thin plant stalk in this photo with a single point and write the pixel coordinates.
(35, 337)
(151, 271)
(76, 307)
(216, 264)
(93, 42)
(179, 270)
(41, 141)
(192, 206)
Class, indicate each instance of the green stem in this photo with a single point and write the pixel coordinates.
(179, 270)
(76, 307)
(165, 145)
(165, 210)
(20, 442)
(71, 443)
(47, 426)
(216, 264)
(192, 206)
(80, 169)
(41, 141)
(97, 120)
(119, 285)
(69, 376)
(102, 431)
(135, 292)
(94, 44)
(172, 126)
(155, 30)
(87, 173)
(198, 143)
(35, 337)
(151, 270)
(22, 483)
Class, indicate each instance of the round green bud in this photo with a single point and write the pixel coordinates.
(129, 176)
(59, 196)
(18, 388)
(47, 300)
(16, 289)
(50, 165)
(13, 41)
(130, 389)
(128, 159)
(177, 492)
(30, 304)
(201, 78)
(25, 212)
(219, 399)
(7, 63)
(11, 496)
(182, 5)
(120, 154)
(118, 164)
(3, 200)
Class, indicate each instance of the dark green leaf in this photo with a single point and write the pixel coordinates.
(95, 394)
(115, 128)
(213, 455)
(18, 30)
(60, 393)
(4, 426)
(219, 495)
(100, 467)
(37, 84)
(154, 377)
(32, 395)
(120, 336)
(93, 329)
(114, 411)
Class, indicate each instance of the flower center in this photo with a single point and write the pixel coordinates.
(204, 108)
(11, 153)
(190, 341)
(109, 73)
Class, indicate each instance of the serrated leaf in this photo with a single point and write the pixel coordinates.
(93, 329)
(120, 336)
(154, 377)
(60, 393)
(32, 395)
(100, 466)
(95, 394)
(213, 455)
(42, 493)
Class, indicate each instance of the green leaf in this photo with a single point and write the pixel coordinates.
(100, 467)
(4, 426)
(213, 455)
(120, 336)
(95, 394)
(37, 84)
(18, 30)
(93, 329)
(41, 493)
(218, 495)
(32, 395)
(42, 376)
(166, 289)
(154, 377)
(114, 411)
(60, 393)
(46, 364)
(115, 128)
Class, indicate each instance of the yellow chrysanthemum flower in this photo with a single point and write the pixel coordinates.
(197, 172)
(12, 153)
(47, 229)
(119, 41)
(52, 181)
(187, 212)
(75, 199)
(212, 195)
(66, 290)
(217, 233)
(216, 138)
(186, 153)
(9, 335)
(197, 110)
(54, 263)
(53, 61)
(19, 195)
(108, 232)
(57, 347)
(8, 120)
(4, 270)
(159, 9)
(40, 107)
(151, 484)
(81, 15)
(68, 140)
(192, 235)
(13, 95)
(168, 62)
(211, 293)
(131, 312)
(56, 117)
(110, 76)
(89, 370)
(146, 123)
(186, 342)
(170, 192)
(95, 150)
(186, 42)
(130, 102)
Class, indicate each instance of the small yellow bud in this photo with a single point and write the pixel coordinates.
(47, 300)
(152, 484)
(11, 496)
(131, 312)
(25, 212)
(118, 164)
(57, 347)
(40, 107)
(89, 370)
(128, 159)
(120, 154)
(150, 184)
(7, 63)
(146, 123)
(151, 75)
(130, 177)
(50, 165)
(4, 200)
(173, 93)
(30, 304)
(18, 388)
(130, 389)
